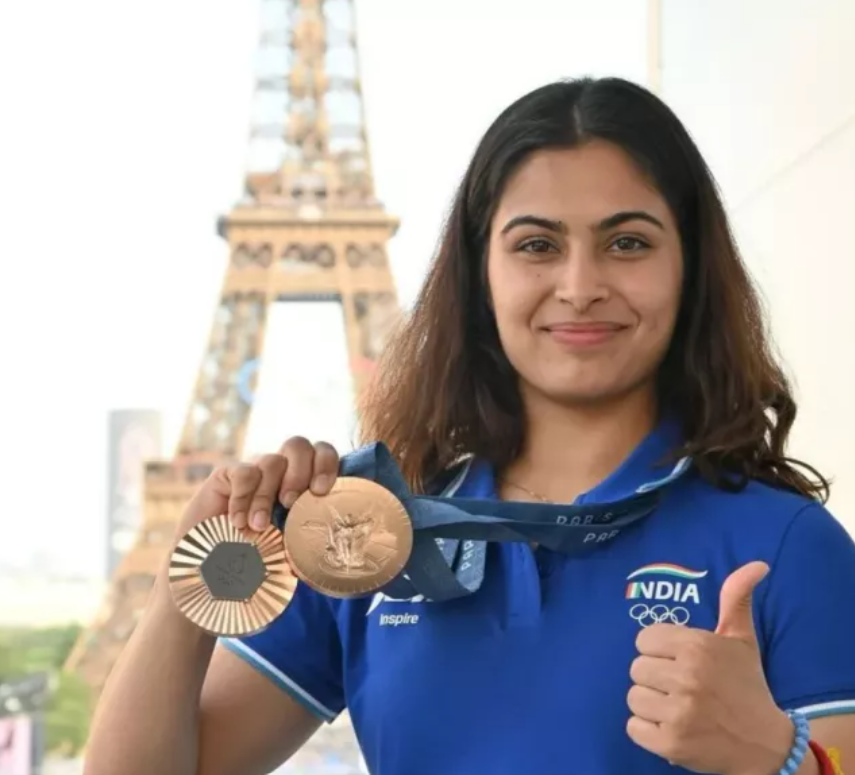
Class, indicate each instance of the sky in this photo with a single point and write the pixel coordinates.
(125, 137)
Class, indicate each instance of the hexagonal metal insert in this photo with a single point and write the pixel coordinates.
(233, 571)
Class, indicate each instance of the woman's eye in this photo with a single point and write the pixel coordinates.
(629, 244)
(537, 246)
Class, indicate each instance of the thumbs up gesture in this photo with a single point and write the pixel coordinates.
(700, 699)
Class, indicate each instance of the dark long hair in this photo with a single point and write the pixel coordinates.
(444, 388)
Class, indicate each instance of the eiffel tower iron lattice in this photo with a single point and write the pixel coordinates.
(308, 227)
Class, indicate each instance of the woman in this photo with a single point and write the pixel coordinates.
(587, 321)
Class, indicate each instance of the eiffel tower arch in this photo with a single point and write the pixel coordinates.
(307, 228)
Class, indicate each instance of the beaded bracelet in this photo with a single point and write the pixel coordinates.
(801, 744)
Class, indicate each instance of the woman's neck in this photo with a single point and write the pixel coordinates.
(569, 450)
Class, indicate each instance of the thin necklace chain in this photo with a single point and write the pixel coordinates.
(532, 493)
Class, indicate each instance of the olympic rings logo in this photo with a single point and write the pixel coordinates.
(646, 615)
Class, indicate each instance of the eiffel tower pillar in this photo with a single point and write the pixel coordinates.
(308, 227)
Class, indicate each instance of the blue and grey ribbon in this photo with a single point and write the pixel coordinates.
(450, 534)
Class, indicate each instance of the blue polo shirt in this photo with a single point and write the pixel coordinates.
(530, 674)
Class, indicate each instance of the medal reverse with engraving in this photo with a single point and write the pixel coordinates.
(230, 582)
(350, 542)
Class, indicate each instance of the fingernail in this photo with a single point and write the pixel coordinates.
(259, 520)
(289, 498)
(320, 484)
(239, 519)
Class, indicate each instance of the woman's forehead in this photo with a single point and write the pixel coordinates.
(580, 186)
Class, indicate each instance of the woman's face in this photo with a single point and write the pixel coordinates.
(585, 271)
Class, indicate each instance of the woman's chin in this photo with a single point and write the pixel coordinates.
(587, 390)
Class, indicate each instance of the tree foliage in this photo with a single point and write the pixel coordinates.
(69, 705)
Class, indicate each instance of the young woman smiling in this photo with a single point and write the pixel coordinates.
(587, 322)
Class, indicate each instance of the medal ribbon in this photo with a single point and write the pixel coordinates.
(450, 534)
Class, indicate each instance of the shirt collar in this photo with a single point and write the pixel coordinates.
(649, 466)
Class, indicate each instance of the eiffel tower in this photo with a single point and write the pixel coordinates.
(307, 228)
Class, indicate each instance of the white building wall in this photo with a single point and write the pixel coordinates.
(767, 88)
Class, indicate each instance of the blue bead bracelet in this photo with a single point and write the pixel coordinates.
(800, 744)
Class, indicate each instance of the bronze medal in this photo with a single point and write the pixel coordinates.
(230, 582)
(350, 542)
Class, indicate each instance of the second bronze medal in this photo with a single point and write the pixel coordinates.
(230, 582)
(350, 542)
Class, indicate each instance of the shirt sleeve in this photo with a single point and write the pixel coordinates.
(809, 617)
(300, 652)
